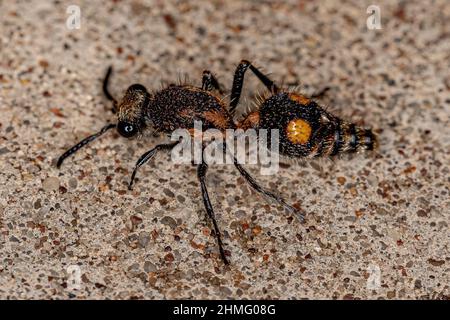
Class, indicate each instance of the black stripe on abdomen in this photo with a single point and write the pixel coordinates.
(369, 140)
(353, 138)
(338, 139)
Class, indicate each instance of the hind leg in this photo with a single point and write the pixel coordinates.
(238, 82)
(270, 195)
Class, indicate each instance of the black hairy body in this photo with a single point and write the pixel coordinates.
(323, 134)
(305, 129)
(187, 104)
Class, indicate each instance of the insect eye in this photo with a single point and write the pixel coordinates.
(126, 129)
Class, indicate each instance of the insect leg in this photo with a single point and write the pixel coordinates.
(82, 143)
(209, 82)
(238, 82)
(252, 182)
(147, 156)
(106, 91)
(201, 174)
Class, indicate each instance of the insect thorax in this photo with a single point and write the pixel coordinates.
(179, 106)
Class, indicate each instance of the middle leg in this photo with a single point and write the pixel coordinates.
(209, 82)
(201, 174)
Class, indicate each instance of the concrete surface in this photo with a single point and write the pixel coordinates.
(386, 214)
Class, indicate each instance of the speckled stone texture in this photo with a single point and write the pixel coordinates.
(388, 212)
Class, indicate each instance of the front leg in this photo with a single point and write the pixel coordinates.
(147, 156)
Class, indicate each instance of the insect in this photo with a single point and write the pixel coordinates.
(306, 129)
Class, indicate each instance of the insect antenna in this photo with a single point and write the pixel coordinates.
(83, 142)
(106, 91)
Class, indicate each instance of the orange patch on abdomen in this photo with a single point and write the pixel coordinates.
(298, 131)
(299, 98)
